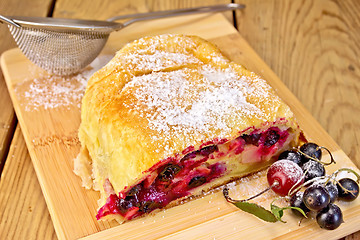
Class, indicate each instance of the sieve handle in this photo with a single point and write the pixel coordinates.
(9, 21)
(177, 12)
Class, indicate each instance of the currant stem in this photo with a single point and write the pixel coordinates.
(328, 178)
(293, 191)
(295, 186)
(332, 160)
(334, 175)
(345, 189)
(229, 199)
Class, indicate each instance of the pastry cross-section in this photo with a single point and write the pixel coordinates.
(170, 117)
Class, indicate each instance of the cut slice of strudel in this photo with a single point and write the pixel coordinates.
(169, 117)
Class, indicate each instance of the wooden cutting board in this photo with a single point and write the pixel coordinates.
(48, 110)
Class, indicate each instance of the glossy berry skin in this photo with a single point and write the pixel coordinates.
(206, 151)
(291, 155)
(352, 189)
(169, 172)
(330, 217)
(252, 139)
(297, 201)
(332, 190)
(313, 169)
(148, 206)
(284, 175)
(310, 149)
(197, 181)
(316, 197)
(271, 138)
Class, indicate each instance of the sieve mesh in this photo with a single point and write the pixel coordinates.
(65, 46)
(59, 52)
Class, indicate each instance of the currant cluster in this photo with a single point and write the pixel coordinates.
(320, 192)
(299, 175)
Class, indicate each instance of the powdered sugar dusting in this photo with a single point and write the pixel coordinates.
(152, 54)
(292, 170)
(47, 91)
(193, 101)
(251, 185)
(157, 60)
(313, 168)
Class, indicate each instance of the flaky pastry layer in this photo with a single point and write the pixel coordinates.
(161, 96)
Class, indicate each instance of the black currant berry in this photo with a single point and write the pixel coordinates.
(169, 172)
(206, 151)
(197, 181)
(252, 139)
(148, 206)
(313, 169)
(332, 190)
(291, 155)
(190, 155)
(330, 217)
(316, 197)
(310, 149)
(271, 138)
(297, 201)
(124, 205)
(133, 191)
(348, 189)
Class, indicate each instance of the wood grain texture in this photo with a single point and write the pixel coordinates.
(72, 208)
(7, 115)
(261, 26)
(53, 136)
(313, 46)
(23, 211)
(40, 8)
(107, 8)
(7, 122)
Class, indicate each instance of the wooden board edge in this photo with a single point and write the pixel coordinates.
(189, 233)
(57, 223)
(6, 75)
(305, 232)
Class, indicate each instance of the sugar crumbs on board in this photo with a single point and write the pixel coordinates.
(49, 92)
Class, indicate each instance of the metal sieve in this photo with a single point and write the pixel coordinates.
(65, 46)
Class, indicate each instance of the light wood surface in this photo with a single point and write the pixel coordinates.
(7, 116)
(281, 33)
(22, 208)
(23, 211)
(52, 155)
(107, 8)
(72, 208)
(313, 46)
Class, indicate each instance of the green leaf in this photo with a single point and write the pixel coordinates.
(256, 210)
(298, 209)
(279, 212)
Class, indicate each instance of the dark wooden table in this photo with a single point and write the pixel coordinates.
(313, 46)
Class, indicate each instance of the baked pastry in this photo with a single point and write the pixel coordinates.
(170, 116)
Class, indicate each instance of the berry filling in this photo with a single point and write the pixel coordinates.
(178, 177)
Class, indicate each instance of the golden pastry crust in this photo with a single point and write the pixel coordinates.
(160, 95)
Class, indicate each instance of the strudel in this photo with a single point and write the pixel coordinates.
(170, 117)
